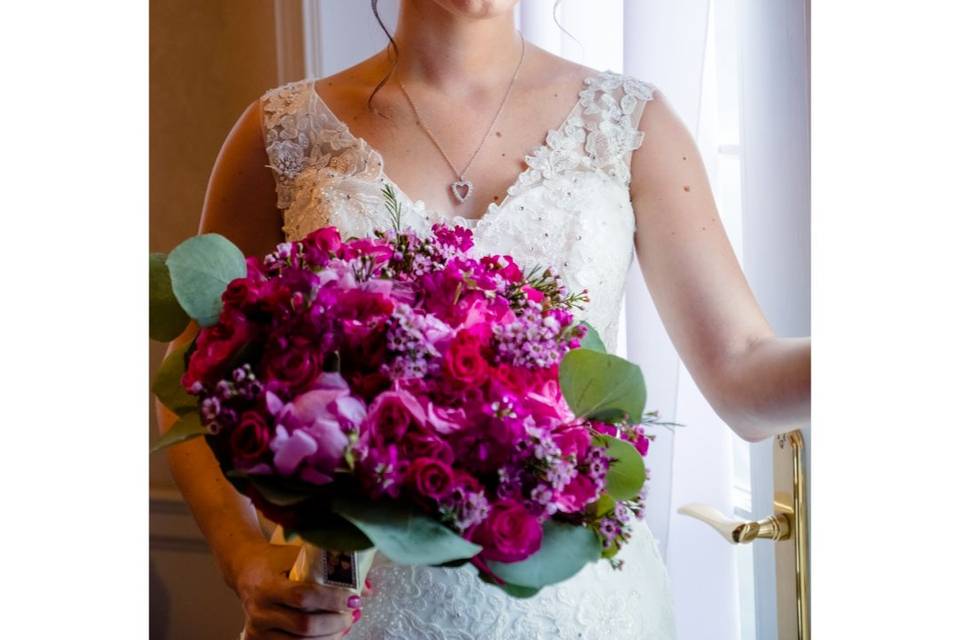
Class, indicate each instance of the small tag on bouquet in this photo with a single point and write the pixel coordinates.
(342, 569)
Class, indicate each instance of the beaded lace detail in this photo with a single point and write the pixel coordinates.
(569, 209)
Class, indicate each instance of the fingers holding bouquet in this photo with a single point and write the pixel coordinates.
(278, 607)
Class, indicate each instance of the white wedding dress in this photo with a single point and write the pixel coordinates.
(569, 209)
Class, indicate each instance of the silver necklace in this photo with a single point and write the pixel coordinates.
(461, 188)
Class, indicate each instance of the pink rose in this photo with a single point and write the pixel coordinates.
(431, 478)
(508, 534)
(445, 420)
(250, 439)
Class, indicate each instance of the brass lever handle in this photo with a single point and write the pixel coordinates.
(774, 527)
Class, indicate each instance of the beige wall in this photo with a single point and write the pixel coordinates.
(208, 60)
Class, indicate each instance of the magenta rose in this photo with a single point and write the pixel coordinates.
(323, 241)
(423, 445)
(215, 346)
(509, 533)
(250, 439)
(431, 478)
(239, 293)
(391, 415)
(464, 360)
(294, 368)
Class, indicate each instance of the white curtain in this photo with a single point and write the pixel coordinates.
(675, 46)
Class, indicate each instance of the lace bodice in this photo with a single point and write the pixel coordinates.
(570, 210)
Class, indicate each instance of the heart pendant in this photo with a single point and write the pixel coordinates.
(461, 189)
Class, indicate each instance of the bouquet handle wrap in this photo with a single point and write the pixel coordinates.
(342, 569)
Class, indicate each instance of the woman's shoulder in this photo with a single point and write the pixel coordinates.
(561, 71)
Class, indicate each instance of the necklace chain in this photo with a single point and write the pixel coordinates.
(462, 187)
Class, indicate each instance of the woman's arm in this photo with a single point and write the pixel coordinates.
(758, 383)
(240, 204)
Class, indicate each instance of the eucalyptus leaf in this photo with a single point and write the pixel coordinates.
(627, 472)
(566, 548)
(201, 267)
(277, 494)
(336, 534)
(592, 340)
(186, 428)
(519, 592)
(405, 535)
(167, 319)
(166, 385)
(602, 386)
(510, 589)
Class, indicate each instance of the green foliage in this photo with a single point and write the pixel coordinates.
(519, 592)
(592, 340)
(167, 319)
(276, 493)
(602, 386)
(565, 550)
(510, 589)
(201, 267)
(403, 534)
(604, 505)
(393, 206)
(337, 534)
(166, 384)
(186, 428)
(627, 472)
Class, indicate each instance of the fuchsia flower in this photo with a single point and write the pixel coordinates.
(215, 346)
(250, 439)
(414, 370)
(508, 534)
(464, 360)
(431, 478)
(392, 414)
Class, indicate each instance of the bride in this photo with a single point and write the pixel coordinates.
(544, 159)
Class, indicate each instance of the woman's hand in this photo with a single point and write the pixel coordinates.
(277, 607)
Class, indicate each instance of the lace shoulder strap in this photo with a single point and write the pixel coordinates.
(300, 133)
(611, 107)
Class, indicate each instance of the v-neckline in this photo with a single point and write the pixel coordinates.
(420, 206)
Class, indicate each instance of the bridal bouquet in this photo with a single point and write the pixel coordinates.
(399, 393)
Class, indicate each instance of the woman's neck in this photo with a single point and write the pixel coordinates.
(451, 53)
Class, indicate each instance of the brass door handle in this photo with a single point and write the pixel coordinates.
(788, 525)
(774, 527)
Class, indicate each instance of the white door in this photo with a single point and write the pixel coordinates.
(756, 87)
